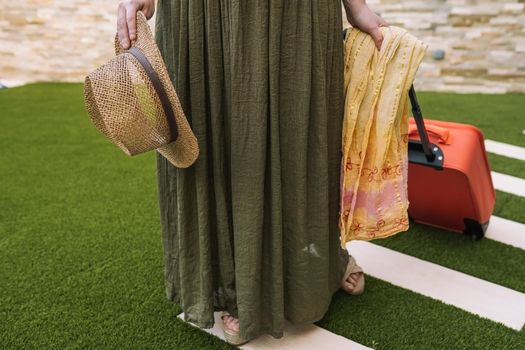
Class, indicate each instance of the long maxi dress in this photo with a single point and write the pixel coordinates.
(252, 226)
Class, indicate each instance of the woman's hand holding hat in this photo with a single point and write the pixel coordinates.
(132, 101)
(127, 19)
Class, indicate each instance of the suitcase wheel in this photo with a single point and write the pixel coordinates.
(474, 229)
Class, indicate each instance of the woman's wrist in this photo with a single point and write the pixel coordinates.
(352, 7)
(353, 4)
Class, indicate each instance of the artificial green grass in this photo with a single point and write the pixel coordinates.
(80, 249)
(500, 117)
(389, 317)
(486, 259)
(510, 206)
(81, 257)
(506, 165)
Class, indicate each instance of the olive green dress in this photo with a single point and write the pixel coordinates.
(252, 226)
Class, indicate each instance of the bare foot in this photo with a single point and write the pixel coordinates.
(231, 322)
(351, 282)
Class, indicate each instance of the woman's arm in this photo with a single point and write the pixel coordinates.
(359, 15)
(127, 18)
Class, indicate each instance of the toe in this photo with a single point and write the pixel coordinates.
(356, 276)
(231, 322)
(351, 282)
(227, 320)
(351, 279)
(349, 287)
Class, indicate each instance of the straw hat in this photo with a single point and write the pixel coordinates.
(132, 101)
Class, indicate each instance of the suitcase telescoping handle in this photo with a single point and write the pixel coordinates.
(418, 117)
(423, 152)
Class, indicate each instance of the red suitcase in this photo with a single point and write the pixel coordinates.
(449, 179)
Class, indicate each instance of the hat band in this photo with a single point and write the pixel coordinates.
(159, 89)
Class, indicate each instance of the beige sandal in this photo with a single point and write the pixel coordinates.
(352, 267)
(230, 335)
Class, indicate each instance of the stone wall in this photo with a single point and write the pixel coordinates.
(481, 42)
(54, 39)
(474, 45)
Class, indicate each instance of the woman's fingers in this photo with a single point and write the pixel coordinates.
(122, 26)
(377, 36)
(127, 22)
(131, 19)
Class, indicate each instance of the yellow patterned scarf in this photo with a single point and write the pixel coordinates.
(374, 166)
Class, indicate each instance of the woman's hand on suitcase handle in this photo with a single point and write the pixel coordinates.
(127, 19)
(359, 15)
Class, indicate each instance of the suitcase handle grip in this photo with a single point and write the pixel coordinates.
(443, 134)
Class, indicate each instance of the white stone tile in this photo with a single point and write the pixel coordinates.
(477, 296)
(309, 337)
(505, 149)
(510, 184)
(506, 231)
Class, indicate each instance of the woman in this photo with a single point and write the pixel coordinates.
(252, 227)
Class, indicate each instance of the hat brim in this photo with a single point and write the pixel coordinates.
(184, 151)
